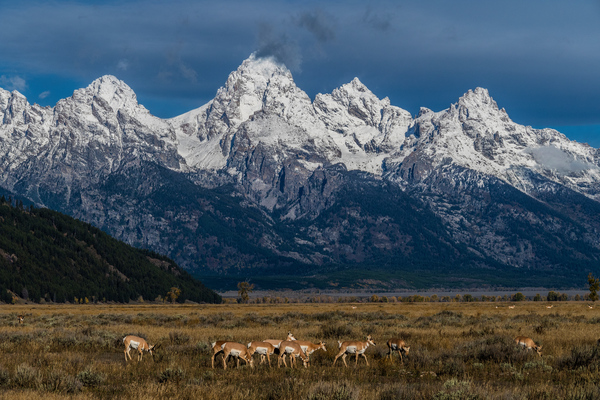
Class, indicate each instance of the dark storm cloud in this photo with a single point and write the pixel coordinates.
(380, 19)
(539, 58)
(277, 44)
(319, 24)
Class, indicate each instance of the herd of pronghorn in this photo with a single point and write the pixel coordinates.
(293, 348)
(289, 346)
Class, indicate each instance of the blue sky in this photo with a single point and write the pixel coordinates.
(540, 59)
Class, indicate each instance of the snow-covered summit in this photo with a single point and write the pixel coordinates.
(114, 91)
(478, 105)
(109, 91)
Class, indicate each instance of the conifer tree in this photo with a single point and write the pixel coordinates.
(594, 287)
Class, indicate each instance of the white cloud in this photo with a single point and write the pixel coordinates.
(123, 65)
(13, 83)
(552, 157)
(45, 94)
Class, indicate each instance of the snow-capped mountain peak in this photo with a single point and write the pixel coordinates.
(114, 92)
(478, 105)
(266, 67)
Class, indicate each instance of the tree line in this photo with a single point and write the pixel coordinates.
(49, 256)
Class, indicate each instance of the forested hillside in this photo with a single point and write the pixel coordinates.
(50, 256)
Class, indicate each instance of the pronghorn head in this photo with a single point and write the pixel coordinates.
(370, 340)
(21, 318)
(340, 343)
(290, 336)
(406, 349)
(539, 350)
(248, 358)
(305, 362)
(322, 346)
(152, 349)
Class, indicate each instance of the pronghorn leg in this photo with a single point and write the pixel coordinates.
(215, 356)
(356, 359)
(367, 361)
(126, 353)
(279, 361)
(344, 360)
(269, 359)
(336, 358)
(400, 354)
(225, 359)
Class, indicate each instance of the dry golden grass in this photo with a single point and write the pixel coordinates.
(458, 350)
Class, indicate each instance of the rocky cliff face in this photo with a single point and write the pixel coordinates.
(263, 179)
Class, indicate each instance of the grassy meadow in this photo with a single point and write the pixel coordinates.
(458, 351)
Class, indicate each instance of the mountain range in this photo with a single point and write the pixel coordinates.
(341, 191)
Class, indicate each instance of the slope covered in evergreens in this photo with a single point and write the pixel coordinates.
(51, 256)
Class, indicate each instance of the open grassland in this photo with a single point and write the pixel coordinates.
(457, 351)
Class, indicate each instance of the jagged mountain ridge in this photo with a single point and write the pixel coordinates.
(285, 162)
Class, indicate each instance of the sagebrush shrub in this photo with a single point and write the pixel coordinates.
(333, 391)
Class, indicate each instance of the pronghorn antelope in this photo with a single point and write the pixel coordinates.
(21, 318)
(528, 344)
(294, 350)
(511, 307)
(262, 348)
(354, 347)
(308, 347)
(397, 345)
(237, 350)
(590, 307)
(217, 347)
(275, 342)
(134, 342)
(550, 306)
